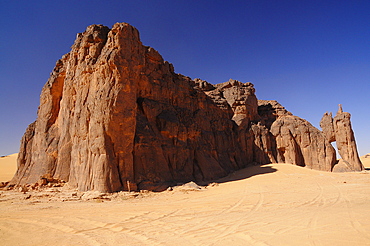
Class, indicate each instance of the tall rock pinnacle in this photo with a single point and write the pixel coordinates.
(115, 116)
(339, 129)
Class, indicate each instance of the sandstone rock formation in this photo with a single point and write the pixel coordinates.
(339, 129)
(299, 143)
(115, 116)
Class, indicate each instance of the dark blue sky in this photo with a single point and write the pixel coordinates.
(308, 55)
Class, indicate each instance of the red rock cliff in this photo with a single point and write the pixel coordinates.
(114, 113)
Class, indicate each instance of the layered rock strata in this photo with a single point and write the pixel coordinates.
(115, 116)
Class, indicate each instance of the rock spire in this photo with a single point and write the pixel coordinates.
(339, 129)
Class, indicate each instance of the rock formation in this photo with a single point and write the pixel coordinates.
(299, 143)
(340, 130)
(115, 116)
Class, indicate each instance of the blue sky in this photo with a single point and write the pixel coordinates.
(308, 55)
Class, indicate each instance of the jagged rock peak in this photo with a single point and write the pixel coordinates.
(235, 95)
(203, 85)
(233, 82)
(242, 99)
(270, 110)
(340, 109)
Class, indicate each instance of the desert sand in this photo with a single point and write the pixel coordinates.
(8, 166)
(276, 204)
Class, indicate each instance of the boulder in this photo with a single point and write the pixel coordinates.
(342, 166)
(90, 195)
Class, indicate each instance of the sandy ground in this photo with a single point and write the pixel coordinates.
(8, 166)
(277, 204)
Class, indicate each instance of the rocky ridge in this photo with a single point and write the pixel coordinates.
(115, 116)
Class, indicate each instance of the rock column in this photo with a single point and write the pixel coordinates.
(339, 129)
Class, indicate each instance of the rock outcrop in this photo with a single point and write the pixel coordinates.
(339, 129)
(115, 116)
(299, 143)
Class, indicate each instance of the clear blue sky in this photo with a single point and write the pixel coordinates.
(309, 55)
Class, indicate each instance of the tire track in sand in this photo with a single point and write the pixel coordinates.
(355, 224)
(318, 200)
(312, 223)
(133, 232)
(209, 219)
(59, 227)
(231, 230)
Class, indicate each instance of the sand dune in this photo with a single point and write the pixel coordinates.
(366, 160)
(277, 204)
(8, 166)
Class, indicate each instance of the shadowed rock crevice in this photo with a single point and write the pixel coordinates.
(115, 116)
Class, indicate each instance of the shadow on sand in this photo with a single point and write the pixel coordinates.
(246, 173)
(234, 176)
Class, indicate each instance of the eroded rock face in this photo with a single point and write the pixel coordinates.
(115, 116)
(242, 99)
(300, 143)
(327, 127)
(270, 110)
(339, 129)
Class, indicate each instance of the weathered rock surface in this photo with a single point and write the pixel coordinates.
(270, 110)
(339, 129)
(242, 100)
(239, 100)
(115, 116)
(327, 127)
(300, 143)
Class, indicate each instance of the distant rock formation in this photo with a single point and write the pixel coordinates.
(339, 129)
(115, 116)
